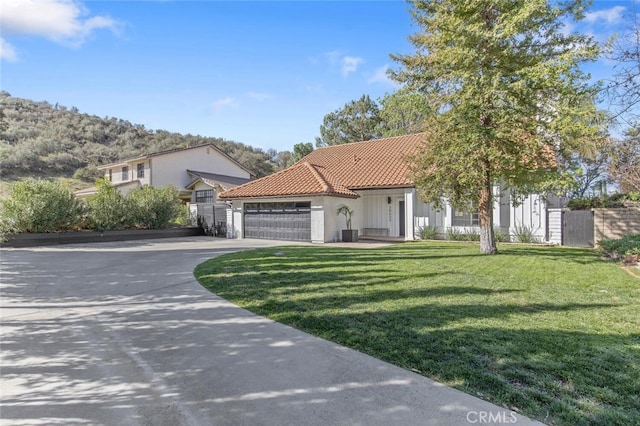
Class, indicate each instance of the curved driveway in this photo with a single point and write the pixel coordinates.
(122, 334)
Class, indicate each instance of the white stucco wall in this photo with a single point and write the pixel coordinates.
(171, 168)
(132, 174)
(236, 222)
(555, 226)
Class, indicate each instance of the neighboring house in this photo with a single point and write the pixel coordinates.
(372, 178)
(198, 172)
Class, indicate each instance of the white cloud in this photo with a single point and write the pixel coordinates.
(380, 76)
(223, 103)
(333, 57)
(610, 16)
(350, 64)
(62, 21)
(260, 96)
(7, 52)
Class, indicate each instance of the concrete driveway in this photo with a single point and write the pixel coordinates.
(121, 333)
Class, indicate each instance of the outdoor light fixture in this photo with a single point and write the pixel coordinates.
(388, 200)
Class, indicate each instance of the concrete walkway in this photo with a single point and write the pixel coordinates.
(122, 334)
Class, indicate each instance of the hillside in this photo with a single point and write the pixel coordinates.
(38, 139)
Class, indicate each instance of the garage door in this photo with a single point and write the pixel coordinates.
(278, 221)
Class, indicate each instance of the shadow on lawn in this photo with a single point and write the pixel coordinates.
(514, 353)
(304, 257)
(559, 377)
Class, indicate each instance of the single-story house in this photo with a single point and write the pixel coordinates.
(371, 178)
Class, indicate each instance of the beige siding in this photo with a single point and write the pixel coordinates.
(616, 223)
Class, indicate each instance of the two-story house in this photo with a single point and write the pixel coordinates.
(198, 172)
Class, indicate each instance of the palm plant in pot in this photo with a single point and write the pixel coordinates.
(348, 235)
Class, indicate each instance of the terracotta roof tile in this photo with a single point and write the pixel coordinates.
(338, 170)
(298, 180)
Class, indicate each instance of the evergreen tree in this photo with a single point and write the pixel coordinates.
(503, 79)
(356, 121)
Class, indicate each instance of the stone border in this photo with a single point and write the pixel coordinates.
(48, 239)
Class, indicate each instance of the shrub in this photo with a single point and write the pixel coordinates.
(40, 206)
(88, 174)
(154, 208)
(500, 236)
(609, 202)
(524, 234)
(454, 234)
(184, 217)
(627, 245)
(107, 209)
(428, 232)
(469, 235)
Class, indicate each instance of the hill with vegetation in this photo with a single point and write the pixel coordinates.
(41, 140)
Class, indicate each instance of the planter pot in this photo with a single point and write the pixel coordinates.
(349, 235)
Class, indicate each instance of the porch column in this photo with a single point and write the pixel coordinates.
(409, 214)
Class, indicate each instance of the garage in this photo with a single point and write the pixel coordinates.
(289, 221)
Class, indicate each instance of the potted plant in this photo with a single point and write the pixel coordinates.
(348, 235)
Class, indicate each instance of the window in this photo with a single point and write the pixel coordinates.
(205, 196)
(110, 175)
(462, 218)
(140, 170)
(125, 173)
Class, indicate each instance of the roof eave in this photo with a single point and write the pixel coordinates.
(256, 197)
(360, 188)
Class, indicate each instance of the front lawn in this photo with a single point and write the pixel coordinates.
(551, 332)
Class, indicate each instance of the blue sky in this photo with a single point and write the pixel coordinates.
(263, 73)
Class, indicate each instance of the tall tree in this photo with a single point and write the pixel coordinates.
(356, 121)
(624, 168)
(301, 150)
(504, 81)
(624, 88)
(402, 113)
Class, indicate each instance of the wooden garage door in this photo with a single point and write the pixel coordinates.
(278, 221)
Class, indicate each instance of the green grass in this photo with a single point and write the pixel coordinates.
(551, 332)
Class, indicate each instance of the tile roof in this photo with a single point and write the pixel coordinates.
(338, 170)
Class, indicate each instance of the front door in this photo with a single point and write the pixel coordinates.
(401, 217)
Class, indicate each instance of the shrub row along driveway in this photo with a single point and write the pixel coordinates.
(121, 333)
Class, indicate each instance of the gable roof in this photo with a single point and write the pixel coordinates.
(171, 151)
(214, 180)
(339, 170)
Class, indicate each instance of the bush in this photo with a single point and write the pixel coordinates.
(627, 245)
(428, 232)
(184, 217)
(107, 209)
(88, 174)
(500, 236)
(524, 234)
(40, 206)
(154, 208)
(608, 202)
(469, 235)
(454, 234)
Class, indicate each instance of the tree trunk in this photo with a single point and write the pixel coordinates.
(485, 215)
